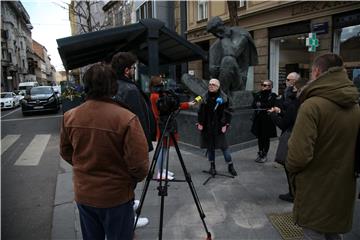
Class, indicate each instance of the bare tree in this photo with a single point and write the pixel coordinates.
(233, 6)
(86, 15)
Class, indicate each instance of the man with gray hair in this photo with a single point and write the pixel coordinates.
(231, 55)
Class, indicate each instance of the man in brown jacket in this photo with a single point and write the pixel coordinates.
(321, 151)
(105, 144)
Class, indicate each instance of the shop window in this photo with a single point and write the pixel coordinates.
(202, 9)
(288, 54)
(347, 45)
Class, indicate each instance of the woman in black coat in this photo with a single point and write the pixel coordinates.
(263, 127)
(214, 118)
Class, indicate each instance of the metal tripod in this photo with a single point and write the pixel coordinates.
(166, 135)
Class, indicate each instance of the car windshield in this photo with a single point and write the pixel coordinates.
(6, 95)
(40, 90)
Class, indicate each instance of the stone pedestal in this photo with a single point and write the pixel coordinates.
(238, 133)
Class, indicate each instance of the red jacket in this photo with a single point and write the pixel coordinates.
(107, 147)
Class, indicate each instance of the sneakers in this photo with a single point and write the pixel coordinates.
(169, 173)
(286, 197)
(231, 170)
(142, 222)
(261, 159)
(136, 204)
(163, 176)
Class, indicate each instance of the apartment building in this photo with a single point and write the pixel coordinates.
(280, 29)
(16, 45)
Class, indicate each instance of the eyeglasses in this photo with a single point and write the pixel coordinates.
(288, 80)
(212, 84)
(266, 85)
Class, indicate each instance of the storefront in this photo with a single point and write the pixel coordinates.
(288, 52)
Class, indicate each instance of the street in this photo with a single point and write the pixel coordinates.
(29, 167)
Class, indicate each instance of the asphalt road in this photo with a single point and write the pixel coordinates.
(29, 167)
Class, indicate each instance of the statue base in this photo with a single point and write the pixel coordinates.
(238, 133)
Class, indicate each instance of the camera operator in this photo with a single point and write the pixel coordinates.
(214, 118)
(123, 63)
(157, 86)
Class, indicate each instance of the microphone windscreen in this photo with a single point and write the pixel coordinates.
(198, 99)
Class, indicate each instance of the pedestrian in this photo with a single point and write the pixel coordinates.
(263, 127)
(157, 87)
(129, 93)
(321, 152)
(214, 117)
(106, 146)
(284, 118)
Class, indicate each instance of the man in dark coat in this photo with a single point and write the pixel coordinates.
(214, 118)
(263, 127)
(321, 151)
(128, 93)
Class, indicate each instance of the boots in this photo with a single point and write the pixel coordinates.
(231, 170)
(212, 170)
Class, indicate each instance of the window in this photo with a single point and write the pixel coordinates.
(347, 45)
(242, 3)
(202, 9)
(144, 11)
(119, 19)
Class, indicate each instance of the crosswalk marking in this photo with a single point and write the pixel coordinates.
(32, 154)
(7, 141)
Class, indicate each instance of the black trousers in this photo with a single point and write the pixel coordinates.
(263, 144)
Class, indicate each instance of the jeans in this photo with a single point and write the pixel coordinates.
(162, 156)
(314, 235)
(225, 151)
(116, 223)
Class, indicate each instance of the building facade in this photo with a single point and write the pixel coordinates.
(16, 45)
(280, 29)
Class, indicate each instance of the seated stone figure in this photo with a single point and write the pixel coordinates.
(230, 55)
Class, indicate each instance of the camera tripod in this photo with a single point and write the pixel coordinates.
(164, 140)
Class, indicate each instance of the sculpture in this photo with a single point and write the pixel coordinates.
(230, 55)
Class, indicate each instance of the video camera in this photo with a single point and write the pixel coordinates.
(169, 100)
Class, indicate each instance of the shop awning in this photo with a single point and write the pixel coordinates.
(152, 42)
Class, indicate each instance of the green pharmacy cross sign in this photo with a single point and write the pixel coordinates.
(312, 42)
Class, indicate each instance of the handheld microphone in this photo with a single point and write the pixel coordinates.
(198, 99)
(219, 101)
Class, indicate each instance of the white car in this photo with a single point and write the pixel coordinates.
(9, 100)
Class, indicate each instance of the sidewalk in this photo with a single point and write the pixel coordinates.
(235, 208)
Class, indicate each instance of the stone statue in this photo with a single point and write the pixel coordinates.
(230, 55)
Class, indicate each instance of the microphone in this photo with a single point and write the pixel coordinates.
(198, 99)
(219, 101)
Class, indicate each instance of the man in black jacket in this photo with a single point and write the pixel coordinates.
(130, 94)
(123, 63)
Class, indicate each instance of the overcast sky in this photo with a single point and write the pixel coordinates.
(50, 22)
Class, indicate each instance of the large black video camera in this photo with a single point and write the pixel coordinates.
(168, 102)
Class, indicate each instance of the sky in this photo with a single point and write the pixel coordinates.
(50, 22)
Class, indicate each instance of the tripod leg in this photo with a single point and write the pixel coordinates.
(191, 186)
(163, 188)
(147, 181)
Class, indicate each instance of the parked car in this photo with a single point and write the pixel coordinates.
(9, 100)
(40, 99)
